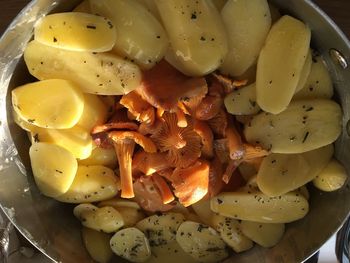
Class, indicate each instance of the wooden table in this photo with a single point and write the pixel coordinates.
(339, 10)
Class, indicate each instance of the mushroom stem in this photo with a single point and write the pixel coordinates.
(124, 150)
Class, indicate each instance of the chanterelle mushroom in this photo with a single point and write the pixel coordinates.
(124, 144)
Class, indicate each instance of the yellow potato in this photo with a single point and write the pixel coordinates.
(197, 35)
(305, 72)
(202, 209)
(257, 207)
(169, 253)
(119, 202)
(76, 31)
(304, 192)
(246, 36)
(319, 83)
(83, 7)
(140, 35)
(95, 73)
(54, 104)
(76, 140)
(131, 244)
(151, 7)
(304, 126)
(25, 125)
(53, 167)
(219, 4)
(282, 173)
(97, 244)
(266, 235)
(280, 63)
(95, 112)
(101, 156)
(80, 209)
(242, 101)
(332, 177)
(91, 184)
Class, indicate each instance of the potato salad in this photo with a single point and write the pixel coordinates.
(182, 130)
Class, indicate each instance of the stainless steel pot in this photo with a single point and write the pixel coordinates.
(50, 226)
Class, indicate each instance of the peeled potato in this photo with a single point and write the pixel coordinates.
(242, 101)
(76, 140)
(169, 253)
(197, 35)
(151, 7)
(219, 4)
(97, 244)
(80, 209)
(282, 173)
(76, 31)
(202, 209)
(332, 177)
(304, 126)
(101, 156)
(305, 72)
(54, 104)
(319, 83)
(96, 73)
(257, 207)
(246, 36)
(140, 35)
(304, 192)
(53, 167)
(280, 63)
(266, 235)
(24, 124)
(91, 184)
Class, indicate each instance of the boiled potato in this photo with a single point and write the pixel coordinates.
(201, 242)
(80, 209)
(304, 192)
(202, 209)
(169, 253)
(140, 36)
(282, 173)
(91, 184)
(332, 177)
(264, 234)
(76, 31)
(219, 4)
(305, 72)
(54, 104)
(101, 156)
(197, 35)
(280, 63)
(24, 124)
(95, 112)
(246, 36)
(151, 7)
(231, 233)
(96, 73)
(97, 244)
(257, 207)
(161, 229)
(242, 101)
(119, 202)
(76, 140)
(131, 244)
(83, 7)
(53, 167)
(304, 126)
(106, 219)
(319, 83)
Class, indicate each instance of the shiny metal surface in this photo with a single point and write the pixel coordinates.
(50, 225)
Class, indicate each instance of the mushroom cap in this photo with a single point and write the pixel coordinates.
(149, 163)
(146, 143)
(209, 107)
(219, 123)
(207, 137)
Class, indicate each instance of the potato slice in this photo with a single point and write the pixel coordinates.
(304, 192)
(280, 63)
(140, 35)
(169, 253)
(161, 229)
(282, 173)
(53, 167)
(197, 35)
(91, 184)
(54, 104)
(304, 126)
(219, 4)
(332, 177)
(231, 233)
(101, 73)
(242, 101)
(24, 124)
(76, 140)
(95, 112)
(246, 36)
(80, 209)
(131, 244)
(101, 156)
(119, 202)
(76, 31)
(319, 83)
(97, 245)
(202, 209)
(266, 235)
(151, 7)
(257, 207)
(201, 242)
(305, 72)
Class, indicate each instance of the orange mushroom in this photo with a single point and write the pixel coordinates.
(149, 163)
(253, 152)
(163, 86)
(181, 118)
(182, 145)
(209, 107)
(228, 83)
(114, 126)
(124, 144)
(191, 184)
(163, 187)
(230, 169)
(207, 137)
(215, 177)
(219, 123)
(221, 150)
(235, 144)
